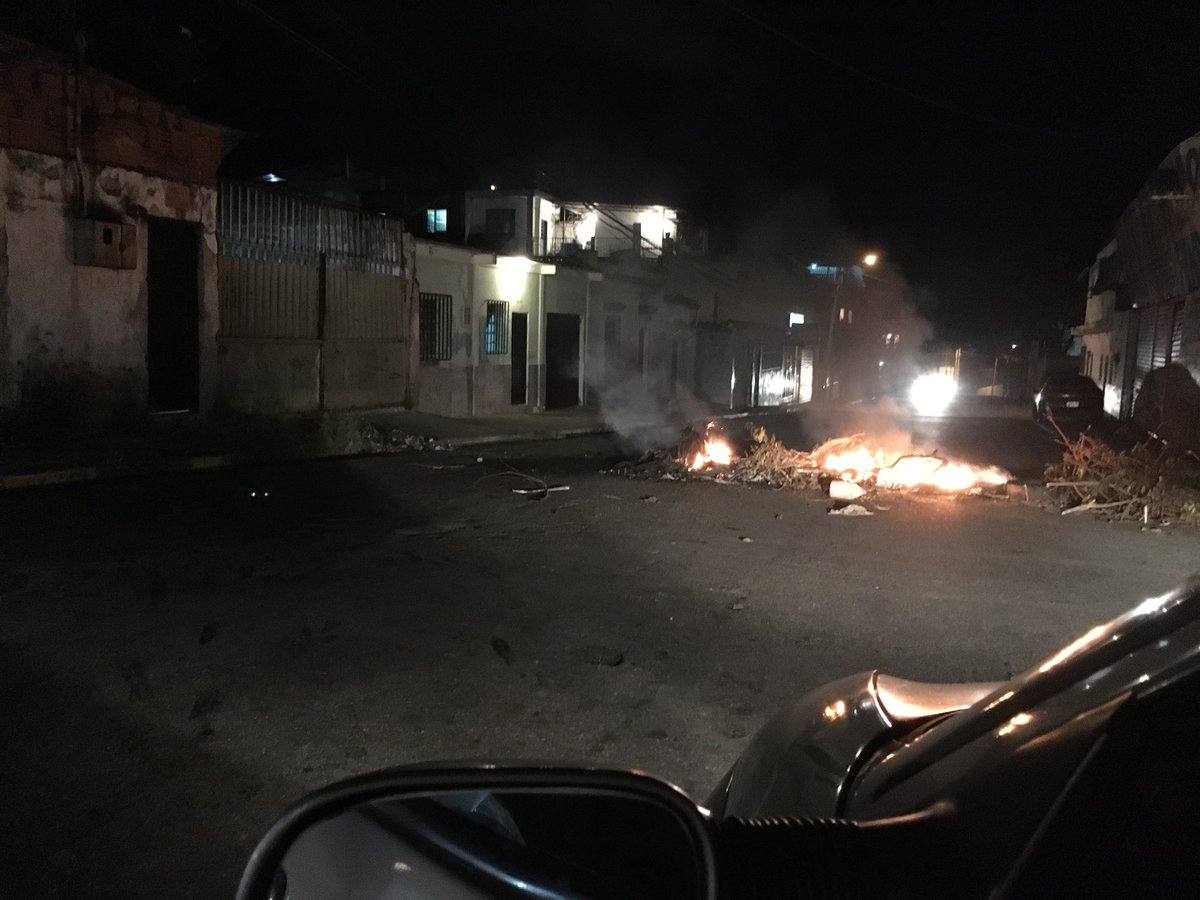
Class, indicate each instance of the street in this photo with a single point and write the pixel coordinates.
(182, 657)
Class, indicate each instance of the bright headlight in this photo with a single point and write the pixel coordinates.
(932, 394)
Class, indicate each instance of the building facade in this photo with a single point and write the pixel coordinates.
(1141, 330)
(108, 291)
(483, 343)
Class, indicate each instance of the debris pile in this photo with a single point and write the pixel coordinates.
(770, 462)
(381, 439)
(1133, 484)
(847, 468)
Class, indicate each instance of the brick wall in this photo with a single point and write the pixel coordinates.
(121, 126)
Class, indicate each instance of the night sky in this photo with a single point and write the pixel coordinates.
(985, 148)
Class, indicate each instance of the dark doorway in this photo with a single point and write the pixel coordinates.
(520, 358)
(562, 360)
(173, 314)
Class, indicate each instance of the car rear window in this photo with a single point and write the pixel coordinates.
(1069, 381)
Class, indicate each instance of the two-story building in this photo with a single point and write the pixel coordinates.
(638, 308)
(1141, 331)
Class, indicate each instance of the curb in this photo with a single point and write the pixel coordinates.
(80, 474)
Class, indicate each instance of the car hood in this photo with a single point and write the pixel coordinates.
(1152, 644)
(802, 761)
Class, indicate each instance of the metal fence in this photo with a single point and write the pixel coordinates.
(299, 268)
(317, 302)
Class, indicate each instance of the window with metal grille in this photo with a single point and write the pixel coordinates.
(495, 327)
(436, 327)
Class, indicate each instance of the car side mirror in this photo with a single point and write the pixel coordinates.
(487, 832)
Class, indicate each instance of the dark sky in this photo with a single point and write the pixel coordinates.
(985, 148)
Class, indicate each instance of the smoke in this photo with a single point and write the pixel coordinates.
(646, 409)
(780, 265)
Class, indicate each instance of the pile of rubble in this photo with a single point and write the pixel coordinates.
(1145, 483)
(381, 439)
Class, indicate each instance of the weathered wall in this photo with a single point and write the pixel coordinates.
(473, 382)
(317, 304)
(49, 106)
(266, 377)
(75, 142)
(82, 329)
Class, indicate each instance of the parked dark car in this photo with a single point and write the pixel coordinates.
(1074, 399)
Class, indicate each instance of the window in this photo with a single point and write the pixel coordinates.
(435, 221)
(495, 327)
(794, 319)
(434, 327)
(500, 222)
(891, 339)
(845, 314)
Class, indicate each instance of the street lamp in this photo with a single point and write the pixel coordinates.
(869, 260)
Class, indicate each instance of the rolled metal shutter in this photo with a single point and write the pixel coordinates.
(1145, 346)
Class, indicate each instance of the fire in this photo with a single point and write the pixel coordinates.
(888, 464)
(716, 451)
(940, 474)
(852, 459)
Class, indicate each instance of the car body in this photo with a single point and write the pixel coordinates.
(1069, 399)
(1069, 779)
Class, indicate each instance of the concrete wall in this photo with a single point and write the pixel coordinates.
(80, 328)
(473, 382)
(75, 143)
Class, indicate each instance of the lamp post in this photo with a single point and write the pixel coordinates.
(839, 273)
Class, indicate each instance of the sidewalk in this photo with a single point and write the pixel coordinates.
(190, 443)
(518, 426)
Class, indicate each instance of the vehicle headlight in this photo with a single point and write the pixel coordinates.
(932, 394)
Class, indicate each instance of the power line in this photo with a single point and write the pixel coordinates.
(883, 83)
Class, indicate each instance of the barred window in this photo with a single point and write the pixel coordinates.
(495, 328)
(436, 327)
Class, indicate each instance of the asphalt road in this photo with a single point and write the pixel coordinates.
(182, 657)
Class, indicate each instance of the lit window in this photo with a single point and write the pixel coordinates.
(495, 328)
(435, 221)
(845, 314)
(794, 319)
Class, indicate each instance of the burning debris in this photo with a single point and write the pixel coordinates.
(704, 449)
(847, 468)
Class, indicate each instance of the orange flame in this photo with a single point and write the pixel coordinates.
(940, 474)
(852, 460)
(715, 452)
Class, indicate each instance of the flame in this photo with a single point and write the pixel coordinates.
(715, 452)
(856, 464)
(851, 459)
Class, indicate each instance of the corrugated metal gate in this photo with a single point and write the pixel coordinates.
(1159, 339)
(314, 299)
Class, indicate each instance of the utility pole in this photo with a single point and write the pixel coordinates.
(833, 314)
